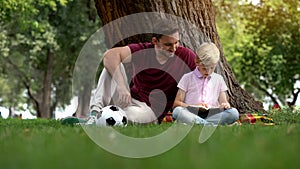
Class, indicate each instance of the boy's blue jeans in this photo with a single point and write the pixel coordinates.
(183, 115)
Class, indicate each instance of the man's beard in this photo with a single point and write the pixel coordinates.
(167, 54)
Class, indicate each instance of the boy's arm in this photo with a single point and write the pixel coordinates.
(179, 99)
(223, 100)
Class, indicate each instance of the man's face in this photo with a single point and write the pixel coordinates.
(167, 44)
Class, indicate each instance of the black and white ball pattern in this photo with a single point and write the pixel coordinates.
(112, 115)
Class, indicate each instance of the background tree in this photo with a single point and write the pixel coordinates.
(264, 46)
(202, 14)
(40, 42)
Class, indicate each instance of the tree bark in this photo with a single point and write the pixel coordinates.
(198, 12)
(83, 101)
(46, 96)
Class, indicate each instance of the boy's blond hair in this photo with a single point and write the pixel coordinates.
(208, 53)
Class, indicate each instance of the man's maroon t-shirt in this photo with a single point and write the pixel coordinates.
(155, 83)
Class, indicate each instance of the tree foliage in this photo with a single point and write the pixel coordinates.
(261, 41)
(29, 32)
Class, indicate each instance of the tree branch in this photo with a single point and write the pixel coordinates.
(25, 81)
(258, 86)
(295, 96)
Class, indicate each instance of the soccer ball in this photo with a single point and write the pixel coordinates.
(112, 116)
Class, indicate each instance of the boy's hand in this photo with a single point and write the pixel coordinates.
(203, 104)
(225, 105)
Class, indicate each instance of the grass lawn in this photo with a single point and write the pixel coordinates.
(46, 144)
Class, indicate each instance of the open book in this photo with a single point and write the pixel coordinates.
(203, 111)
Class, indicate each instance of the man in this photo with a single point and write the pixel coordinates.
(157, 67)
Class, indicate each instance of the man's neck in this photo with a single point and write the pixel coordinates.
(162, 59)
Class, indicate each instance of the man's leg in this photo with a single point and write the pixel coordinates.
(105, 92)
(137, 112)
(140, 112)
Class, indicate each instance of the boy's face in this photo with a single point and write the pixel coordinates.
(167, 45)
(205, 70)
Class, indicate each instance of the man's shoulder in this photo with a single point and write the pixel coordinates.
(139, 46)
(185, 53)
(184, 49)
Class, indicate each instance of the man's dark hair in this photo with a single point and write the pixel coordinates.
(164, 28)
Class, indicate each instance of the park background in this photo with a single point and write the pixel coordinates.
(41, 40)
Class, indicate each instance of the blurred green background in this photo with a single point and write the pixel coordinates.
(41, 40)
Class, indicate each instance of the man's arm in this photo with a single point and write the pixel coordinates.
(112, 60)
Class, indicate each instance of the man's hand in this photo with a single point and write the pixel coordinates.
(124, 96)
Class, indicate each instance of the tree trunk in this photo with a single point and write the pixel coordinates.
(83, 101)
(46, 91)
(198, 12)
(11, 111)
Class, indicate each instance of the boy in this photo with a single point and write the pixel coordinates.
(204, 87)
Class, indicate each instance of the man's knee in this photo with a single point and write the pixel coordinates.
(142, 115)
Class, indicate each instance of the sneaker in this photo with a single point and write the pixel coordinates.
(73, 121)
(91, 120)
(93, 117)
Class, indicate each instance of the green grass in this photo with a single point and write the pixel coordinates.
(35, 144)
